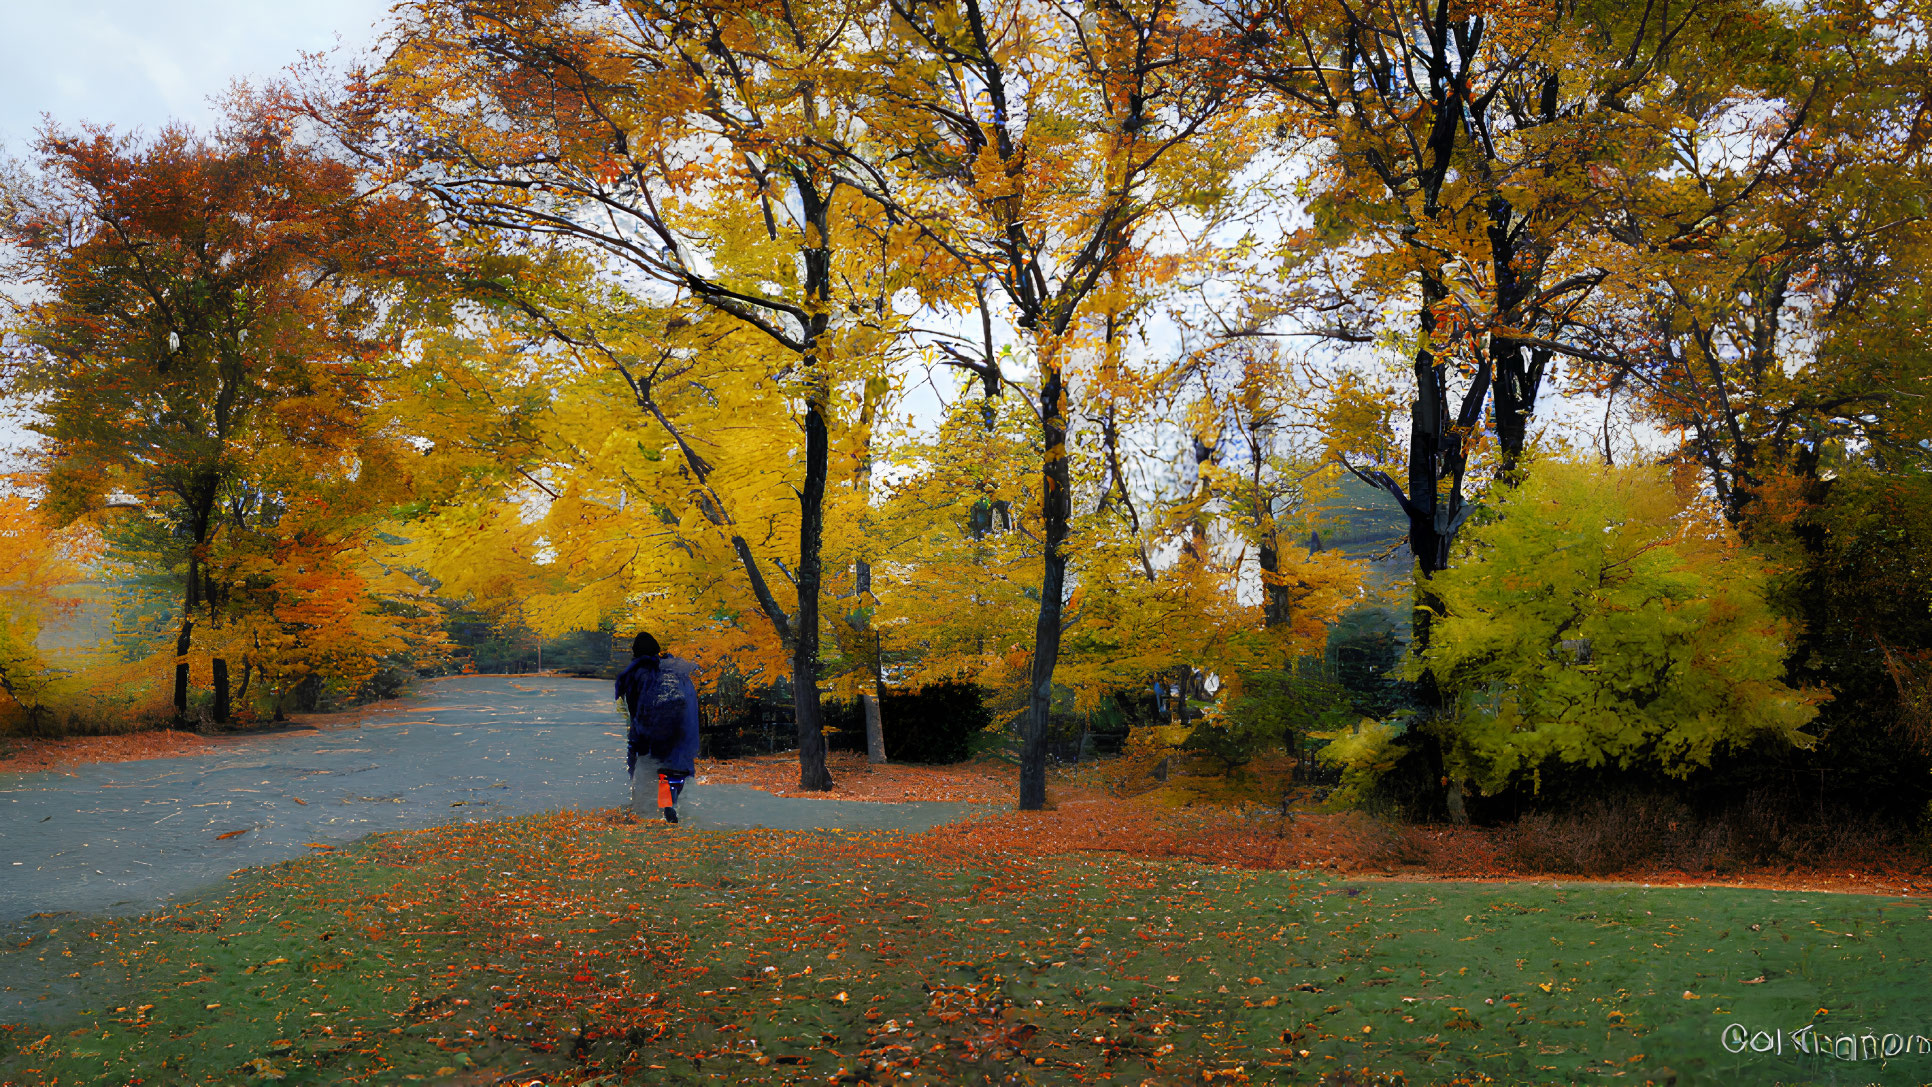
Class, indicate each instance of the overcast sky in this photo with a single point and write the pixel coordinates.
(142, 63)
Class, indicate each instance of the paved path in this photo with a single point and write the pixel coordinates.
(122, 837)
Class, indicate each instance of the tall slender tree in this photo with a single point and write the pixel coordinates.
(681, 143)
(1037, 145)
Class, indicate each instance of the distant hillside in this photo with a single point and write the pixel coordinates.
(1364, 522)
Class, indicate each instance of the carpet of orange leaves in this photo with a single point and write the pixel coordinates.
(853, 778)
(1086, 816)
(1349, 844)
(26, 754)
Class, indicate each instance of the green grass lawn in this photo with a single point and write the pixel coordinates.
(573, 950)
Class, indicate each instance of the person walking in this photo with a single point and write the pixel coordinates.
(657, 691)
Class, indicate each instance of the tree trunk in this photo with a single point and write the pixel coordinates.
(181, 692)
(221, 691)
(200, 510)
(182, 643)
(1436, 457)
(816, 206)
(1518, 372)
(1055, 510)
(1274, 595)
(812, 773)
(875, 752)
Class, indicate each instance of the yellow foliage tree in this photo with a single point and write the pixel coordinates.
(685, 147)
(1036, 146)
(36, 564)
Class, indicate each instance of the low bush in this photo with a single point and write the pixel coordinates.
(1634, 830)
(935, 724)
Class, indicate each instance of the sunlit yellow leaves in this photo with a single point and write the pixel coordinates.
(1604, 617)
(37, 565)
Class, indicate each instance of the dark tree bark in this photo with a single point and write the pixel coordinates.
(1518, 368)
(813, 776)
(812, 773)
(1274, 600)
(1056, 507)
(185, 638)
(199, 497)
(222, 708)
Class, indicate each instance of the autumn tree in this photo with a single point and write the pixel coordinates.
(1603, 619)
(1446, 149)
(1210, 492)
(1773, 234)
(209, 312)
(1259, 472)
(682, 146)
(1777, 305)
(1463, 161)
(1038, 146)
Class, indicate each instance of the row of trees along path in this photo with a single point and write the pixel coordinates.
(745, 215)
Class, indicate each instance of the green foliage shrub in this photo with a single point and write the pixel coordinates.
(1275, 710)
(1601, 618)
(1365, 754)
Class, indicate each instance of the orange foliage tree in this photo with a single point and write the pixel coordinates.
(206, 346)
(35, 565)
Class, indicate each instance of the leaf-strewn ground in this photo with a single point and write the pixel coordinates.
(25, 755)
(572, 949)
(984, 781)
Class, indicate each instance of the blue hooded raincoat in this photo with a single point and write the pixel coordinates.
(663, 705)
